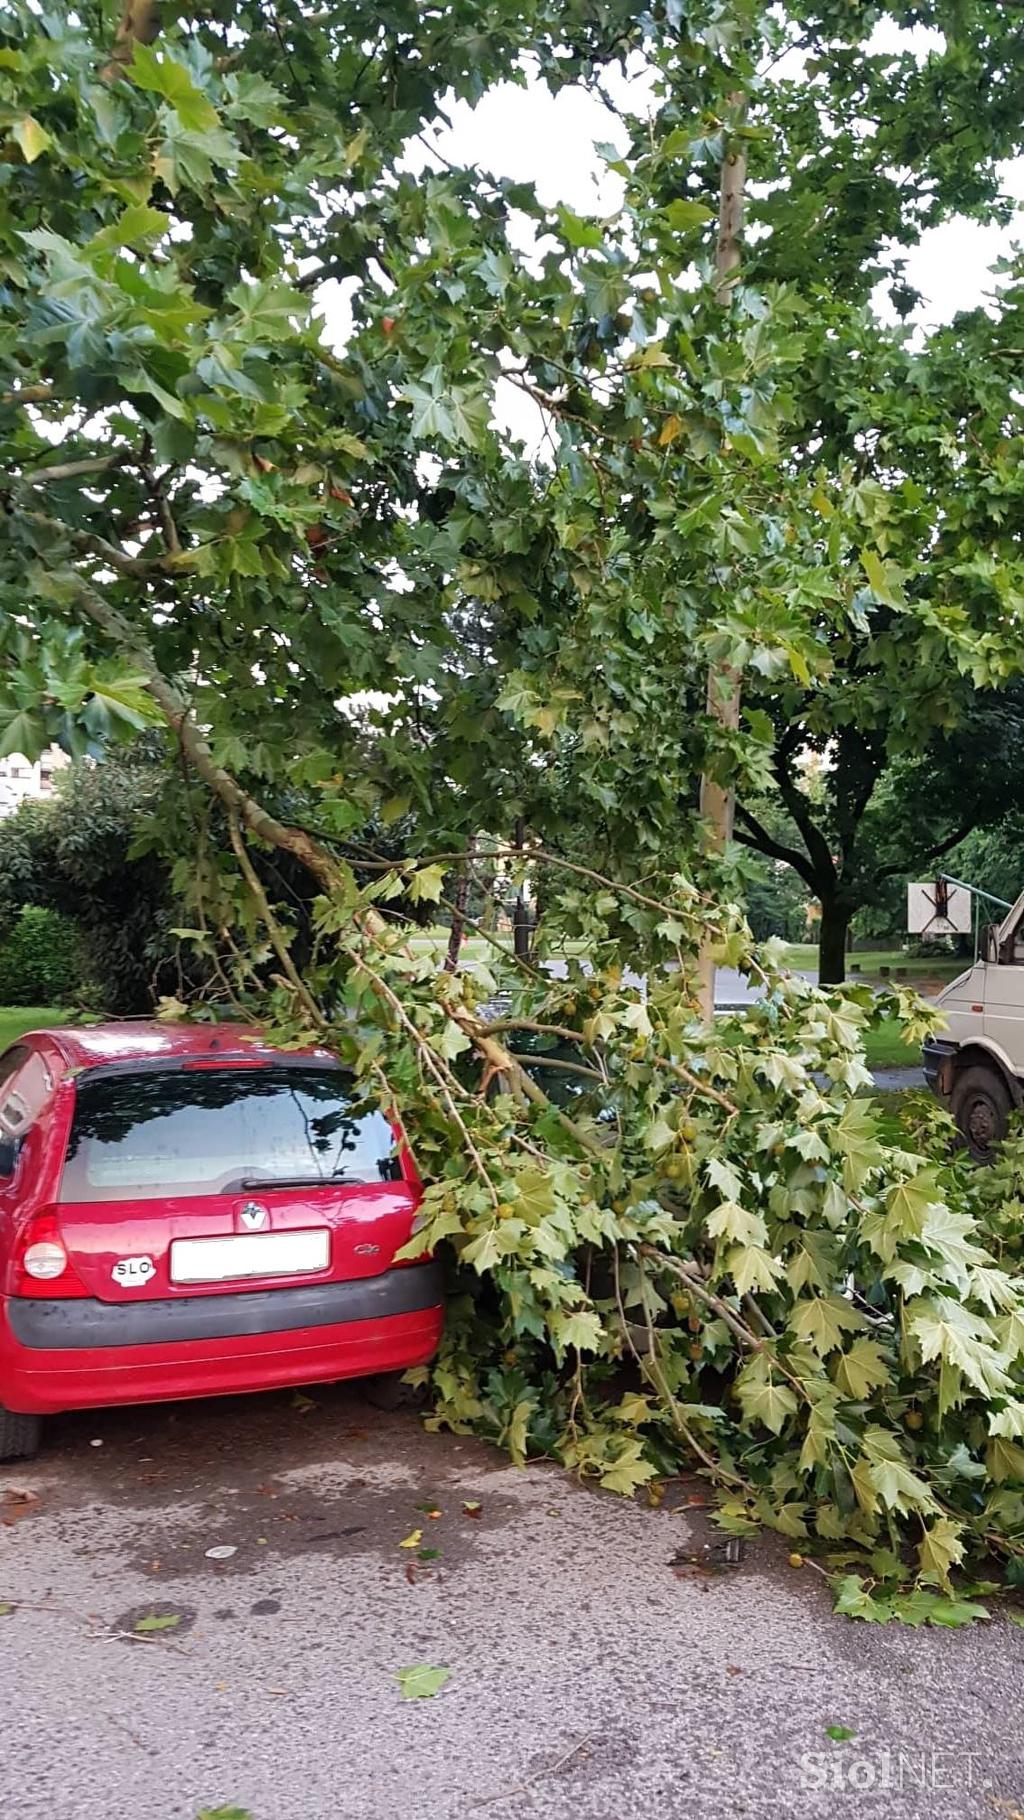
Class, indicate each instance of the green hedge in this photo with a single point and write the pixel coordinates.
(40, 959)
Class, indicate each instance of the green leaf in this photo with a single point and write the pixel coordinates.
(854, 1600)
(517, 1433)
(954, 1614)
(821, 1321)
(162, 75)
(135, 225)
(752, 1267)
(724, 1177)
(483, 1252)
(430, 413)
(909, 1203)
(30, 138)
(6, 1608)
(422, 1682)
(883, 580)
(451, 1042)
(1008, 1421)
(946, 1329)
(424, 886)
(22, 732)
(157, 1621)
(582, 1329)
(862, 1369)
(764, 1401)
(121, 698)
(268, 309)
(840, 1734)
(627, 1473)
(731, 1221)
(578, 231)
(899, 1488)
(856, 1137)
(1004, 1461)
(915, 1608)
(939, 1550)
(684, 214)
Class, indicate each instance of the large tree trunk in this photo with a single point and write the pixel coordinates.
(522, 922)
(522, 929)
(459, 902)
(723, 686)
(835, 924)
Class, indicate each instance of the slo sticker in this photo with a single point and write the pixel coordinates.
(133, 1271)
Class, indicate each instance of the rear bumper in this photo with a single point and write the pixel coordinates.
(938, 1055)
(74, 1325)
(82, 1354)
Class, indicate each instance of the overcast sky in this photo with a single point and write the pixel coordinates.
(548, 140)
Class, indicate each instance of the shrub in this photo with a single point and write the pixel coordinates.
(74, 856)
(41, 961)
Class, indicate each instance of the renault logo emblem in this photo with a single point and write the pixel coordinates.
(252, 1216)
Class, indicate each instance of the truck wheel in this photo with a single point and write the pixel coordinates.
(19, 1435)
(980, 1103)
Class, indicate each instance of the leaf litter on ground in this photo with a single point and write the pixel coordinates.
(422, 1682)
(157, 1621)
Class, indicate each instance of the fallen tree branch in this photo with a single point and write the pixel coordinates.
(273, 927)
(688, 1271)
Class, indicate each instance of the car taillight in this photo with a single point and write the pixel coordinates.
(45, 1260)
(40, 1264)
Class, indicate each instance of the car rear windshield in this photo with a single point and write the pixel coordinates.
(148, 1135)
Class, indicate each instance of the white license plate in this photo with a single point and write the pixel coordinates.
(249, 1254)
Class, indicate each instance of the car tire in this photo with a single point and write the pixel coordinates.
(388, 1391)
(19, 1435)
(981, 1105)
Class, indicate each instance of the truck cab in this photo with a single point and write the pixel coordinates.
(977, 1064)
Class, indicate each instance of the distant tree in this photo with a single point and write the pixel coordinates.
(882, 816)
(76, 854)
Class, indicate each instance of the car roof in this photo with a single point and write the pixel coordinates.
(145, 1040)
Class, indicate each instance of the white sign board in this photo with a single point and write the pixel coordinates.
(938, 908)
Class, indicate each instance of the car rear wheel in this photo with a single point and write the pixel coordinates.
(19, 1435)
(980, 1103)
(388, 1390)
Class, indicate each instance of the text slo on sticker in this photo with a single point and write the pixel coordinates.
(132, 1271)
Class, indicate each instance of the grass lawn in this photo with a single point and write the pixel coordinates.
(886, 1048)
(16, 1019)
(945, 967)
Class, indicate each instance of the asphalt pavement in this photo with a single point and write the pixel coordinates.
(589, 1678)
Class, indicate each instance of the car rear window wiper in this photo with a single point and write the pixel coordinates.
(297, 1181)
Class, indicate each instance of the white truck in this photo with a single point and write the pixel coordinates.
(978, 1062)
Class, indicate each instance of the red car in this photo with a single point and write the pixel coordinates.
(186, 1211)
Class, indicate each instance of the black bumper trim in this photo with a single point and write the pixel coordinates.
(937, 1055)
(71, 1325)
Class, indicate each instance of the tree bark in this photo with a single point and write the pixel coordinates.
(459, 902)
(140, 23)
(836, 917)
(522, 922)
(717, 801)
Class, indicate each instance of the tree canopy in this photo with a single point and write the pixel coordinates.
(349, 594)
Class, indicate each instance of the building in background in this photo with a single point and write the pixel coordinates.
(20, 780)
